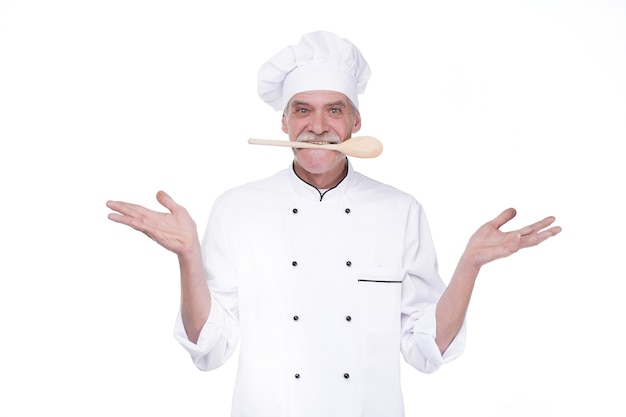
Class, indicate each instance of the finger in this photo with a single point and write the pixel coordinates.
(133, 223)
(541, 224)
(536, 238)
(127, 220)
(113, 205)
(128, 209)
(117, 218)
(119, 206)
(167, 201)
(503, 217)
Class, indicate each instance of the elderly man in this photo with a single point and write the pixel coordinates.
(322, 274)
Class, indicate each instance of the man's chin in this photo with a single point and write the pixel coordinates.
(317, 161)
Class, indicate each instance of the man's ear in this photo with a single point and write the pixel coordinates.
(357, 123)
(284, 124)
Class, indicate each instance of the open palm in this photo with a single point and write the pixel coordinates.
(489, 243)
(175, 231)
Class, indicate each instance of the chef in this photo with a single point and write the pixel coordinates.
(323, 276)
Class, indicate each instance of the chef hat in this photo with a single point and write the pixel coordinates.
(321, 61)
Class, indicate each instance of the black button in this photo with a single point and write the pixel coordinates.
(349, 263)
(294, 263)
(347, 211)
(297, 376)
(295, 211)
(346, 375)
(296, 318)
(348, 318)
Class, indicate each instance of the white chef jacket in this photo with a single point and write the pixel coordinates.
(322, 292)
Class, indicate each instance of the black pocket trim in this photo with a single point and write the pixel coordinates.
(377, 280)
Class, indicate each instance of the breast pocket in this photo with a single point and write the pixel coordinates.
(379, 300)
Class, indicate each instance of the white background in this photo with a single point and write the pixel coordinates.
(481, 105)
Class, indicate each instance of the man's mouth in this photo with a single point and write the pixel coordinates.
(323, 139)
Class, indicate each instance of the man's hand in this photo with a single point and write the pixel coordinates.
(175, 231)
(490, 243)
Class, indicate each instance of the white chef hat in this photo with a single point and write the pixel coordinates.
(321, 61)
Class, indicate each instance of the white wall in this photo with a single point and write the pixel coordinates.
(481, 105)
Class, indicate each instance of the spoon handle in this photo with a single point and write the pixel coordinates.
(290, 144)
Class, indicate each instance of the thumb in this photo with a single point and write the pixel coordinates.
(166, 201)
(504, 217)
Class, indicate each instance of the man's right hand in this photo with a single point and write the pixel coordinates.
(175, 231)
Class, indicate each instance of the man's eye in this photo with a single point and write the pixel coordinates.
(301, 110)
(335, 111)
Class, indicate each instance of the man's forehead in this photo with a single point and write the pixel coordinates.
(320, 97)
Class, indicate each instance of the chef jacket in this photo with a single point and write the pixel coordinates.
(322, 291)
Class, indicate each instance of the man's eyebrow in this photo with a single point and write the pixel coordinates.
(338, 103)
(299, 103)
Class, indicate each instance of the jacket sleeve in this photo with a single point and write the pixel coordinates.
(421, 289)
(220, 334)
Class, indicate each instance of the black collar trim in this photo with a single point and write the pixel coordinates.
(322, 194)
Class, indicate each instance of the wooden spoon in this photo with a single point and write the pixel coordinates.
(358, 146)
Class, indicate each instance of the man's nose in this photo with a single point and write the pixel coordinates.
(318, 123)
